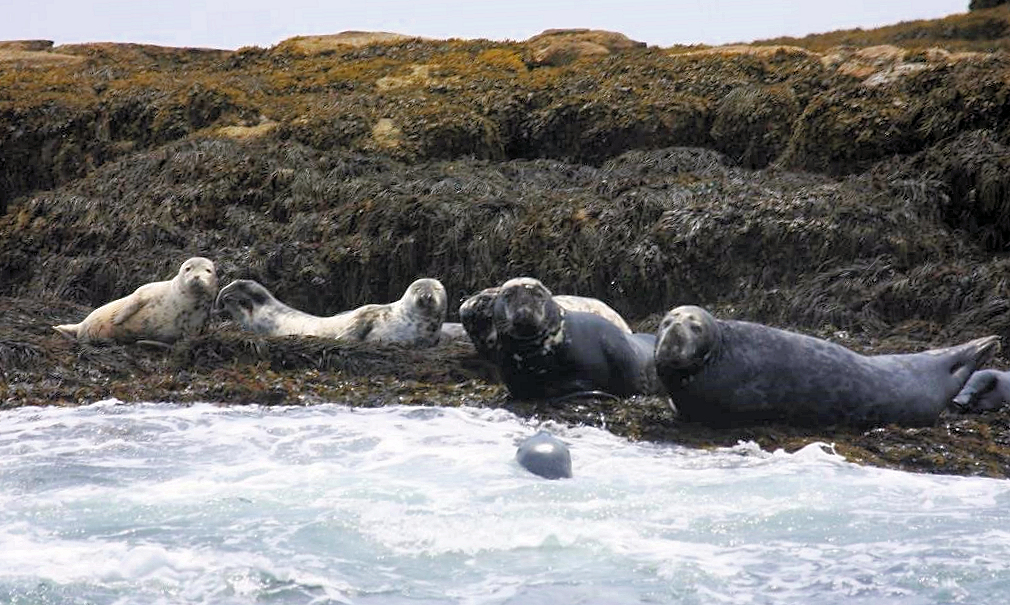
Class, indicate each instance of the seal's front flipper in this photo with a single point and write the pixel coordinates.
(128, 309)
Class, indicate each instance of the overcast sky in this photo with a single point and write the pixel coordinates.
(236, 23)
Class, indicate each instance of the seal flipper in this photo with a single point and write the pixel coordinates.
(979, 383)
(128, 309)
(970, 355)
(68, 330)
(360, 330)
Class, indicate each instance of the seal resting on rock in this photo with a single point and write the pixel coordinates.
(476, 314)
(735, 373)
(159, 312)
(545, 455)
(415, 320)
(985, 391)
(544, 351)
(452, 332)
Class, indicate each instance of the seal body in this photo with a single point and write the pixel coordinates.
(733, 373)
(452, 332)
(986, 390)
(415, 320)
(544, 351)
(545, 455)
(163, 311)
(477, 314)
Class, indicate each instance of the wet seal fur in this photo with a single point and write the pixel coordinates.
(544, 351)
(414, 321)
(545, 455)
(736, 373)
(157, 313)
(477, 316)
(985, 391)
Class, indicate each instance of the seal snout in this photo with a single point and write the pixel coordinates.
(521, 310)
(426, 300)
(199, 275)
(525, 321)
(685, 338)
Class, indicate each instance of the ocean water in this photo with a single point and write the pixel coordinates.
(159, 503)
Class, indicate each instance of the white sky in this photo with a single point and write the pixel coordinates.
(236, 23)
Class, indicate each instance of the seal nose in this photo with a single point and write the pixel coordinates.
(672, 346)
(525, 322)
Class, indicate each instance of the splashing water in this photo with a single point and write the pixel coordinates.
(158, 503)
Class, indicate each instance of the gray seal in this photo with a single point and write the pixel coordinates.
(545, 455)
(985, 391)
(415, 320)
(159, 312)
(735, 373)
(544, 351)
(477, 314)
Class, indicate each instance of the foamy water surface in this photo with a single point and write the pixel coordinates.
(159, 503)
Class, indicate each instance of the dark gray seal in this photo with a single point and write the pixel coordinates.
(544, 351)
(477, 314)
(545, 455)
(985, 391)
(733, 373)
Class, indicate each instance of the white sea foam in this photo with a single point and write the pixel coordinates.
(158, 503)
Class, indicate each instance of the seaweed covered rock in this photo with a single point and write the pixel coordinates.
(972, 171)
(853, 125)
(981, 4)
(849, 185)
(752, 124)
(644, 232)
(563, 46)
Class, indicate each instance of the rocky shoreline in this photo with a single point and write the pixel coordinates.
(231, 367)
(858, 193)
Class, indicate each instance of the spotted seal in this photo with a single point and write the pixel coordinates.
(415, 320)
(545, 455)
(158, 312)
(985, 391)
(544, 351)
(731, 373)
(476, 315)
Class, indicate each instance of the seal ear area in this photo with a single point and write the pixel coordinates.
(686, 338)
(967, 357)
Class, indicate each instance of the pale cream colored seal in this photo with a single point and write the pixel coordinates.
(162, 311)
(415, 320)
